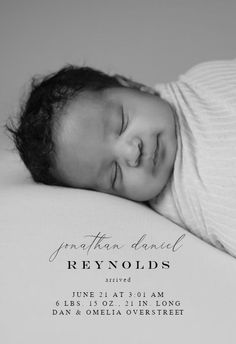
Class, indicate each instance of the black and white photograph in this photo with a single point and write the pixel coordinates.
(118, 171)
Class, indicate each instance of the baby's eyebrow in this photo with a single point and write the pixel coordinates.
(106, 125)
(111, 118)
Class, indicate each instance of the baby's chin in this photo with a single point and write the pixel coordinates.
(153, 195)
(143, 196)
(153, 201)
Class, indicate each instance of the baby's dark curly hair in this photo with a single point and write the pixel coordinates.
(32, 134)
(48, 96)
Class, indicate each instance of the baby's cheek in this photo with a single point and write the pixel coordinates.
(138, 187)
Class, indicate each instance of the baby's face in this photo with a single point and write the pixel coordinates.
(119, 141)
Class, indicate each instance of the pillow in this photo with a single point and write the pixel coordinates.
(72, 258)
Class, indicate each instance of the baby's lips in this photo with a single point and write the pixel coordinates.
(155, 154)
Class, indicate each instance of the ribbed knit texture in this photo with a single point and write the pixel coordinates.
(201, 194)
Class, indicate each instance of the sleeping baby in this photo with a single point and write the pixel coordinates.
(173, 147)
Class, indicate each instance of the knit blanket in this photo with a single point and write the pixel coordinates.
(201, 194)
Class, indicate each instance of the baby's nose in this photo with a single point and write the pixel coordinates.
(133, 152)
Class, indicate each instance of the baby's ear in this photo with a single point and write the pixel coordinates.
(133, 84)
